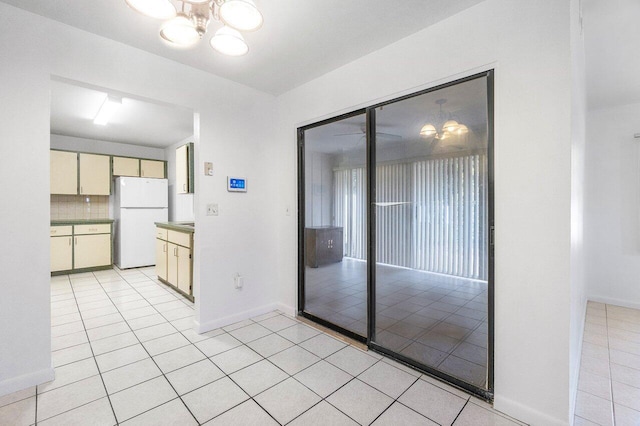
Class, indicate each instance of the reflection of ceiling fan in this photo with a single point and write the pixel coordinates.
(363, 135)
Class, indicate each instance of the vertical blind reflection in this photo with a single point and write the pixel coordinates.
(434, 219)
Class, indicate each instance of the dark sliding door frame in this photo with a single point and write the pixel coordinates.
(371, 243)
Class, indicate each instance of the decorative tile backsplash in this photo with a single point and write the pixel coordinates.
(79, 207)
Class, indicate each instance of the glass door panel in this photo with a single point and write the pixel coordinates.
(334, 227)
(431, 226)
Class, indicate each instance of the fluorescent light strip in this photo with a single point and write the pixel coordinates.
(110, 105)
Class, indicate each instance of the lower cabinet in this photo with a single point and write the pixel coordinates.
(174, 263)
(82, 246)
(61, 253)
(161, 259)
(91, 251)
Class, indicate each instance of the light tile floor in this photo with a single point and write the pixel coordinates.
(437, 320)
(125, 353)
(609, 383)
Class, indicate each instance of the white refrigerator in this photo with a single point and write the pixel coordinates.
(138, 203)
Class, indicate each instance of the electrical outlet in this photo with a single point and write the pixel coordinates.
(212, 210)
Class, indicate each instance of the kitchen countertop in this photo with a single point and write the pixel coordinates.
(79, 221)
(177, 226)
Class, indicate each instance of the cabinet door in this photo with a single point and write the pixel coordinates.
(64, 172)
(61, 253)
(152, 169)
(182, 169)
(123, 166)
(92, 250)
(95, 174)
(161, 259)
(172, 264)
(184, 269)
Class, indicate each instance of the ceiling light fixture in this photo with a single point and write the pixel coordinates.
(158, 9)
(450, 127)
(110, 105)
(187, 27)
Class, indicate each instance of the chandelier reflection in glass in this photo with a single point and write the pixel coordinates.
(186, 27)
(450, 127)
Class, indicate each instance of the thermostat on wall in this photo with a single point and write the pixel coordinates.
(236, 184)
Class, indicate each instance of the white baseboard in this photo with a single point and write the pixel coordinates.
(287, 310)
(525, 414)
(239, 316)
(613, 301)
(15, 384)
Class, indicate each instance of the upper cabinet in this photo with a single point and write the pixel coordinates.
(138, 167)
(184, 169)
(152, 169)
(64, 172)
(95, 174)
(125, 166)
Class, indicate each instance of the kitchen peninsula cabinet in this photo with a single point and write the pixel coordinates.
(174, 256)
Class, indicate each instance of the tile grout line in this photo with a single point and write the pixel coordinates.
(148, 353)
(94, 360)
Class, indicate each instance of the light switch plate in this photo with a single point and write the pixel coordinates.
(208, 168)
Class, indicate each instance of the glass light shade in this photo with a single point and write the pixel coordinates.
(180, 31)
(450, 126)
(462, 129)
(229, 42)
(242, 15)
(428, 130)
(158, 9)
(444, 135)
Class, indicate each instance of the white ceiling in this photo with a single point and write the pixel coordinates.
(138, 122)
(612, 45)
(299, 41)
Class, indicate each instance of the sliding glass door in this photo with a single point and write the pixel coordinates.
(396, 217)
(334, 231)
(431, 211)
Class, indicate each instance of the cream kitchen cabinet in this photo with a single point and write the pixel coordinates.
(184, 169)
(138, 167)
(125, 166)
(78, 246)
(63, 172)
(152, 169)
(61, 248)
(95, 174)
(174, 260)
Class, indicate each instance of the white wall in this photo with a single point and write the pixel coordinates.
(528, 43)
(578, 128)
(613, 205)
(180, 205)
(70, 143)
(231, 115)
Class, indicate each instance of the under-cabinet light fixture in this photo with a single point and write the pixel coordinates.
(110, 105)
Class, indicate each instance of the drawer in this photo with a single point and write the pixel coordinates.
(97, 228)
(59, 231)
(161, 233)
(180, 238)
